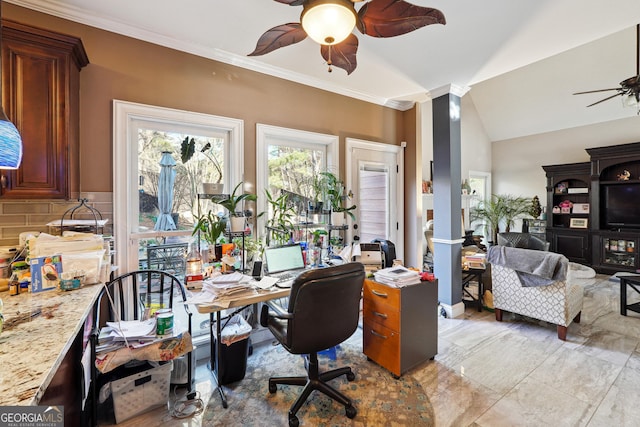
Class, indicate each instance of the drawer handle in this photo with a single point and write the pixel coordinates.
(380, 294)
(384, 337)
(384, 316)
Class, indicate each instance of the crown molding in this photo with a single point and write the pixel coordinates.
(72, 13)
(456, 90)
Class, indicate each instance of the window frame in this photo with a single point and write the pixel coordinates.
(268, 134)
(126, 116)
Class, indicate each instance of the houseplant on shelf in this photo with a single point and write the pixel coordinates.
(211, 226)
(188, 150)
(337, 194)
(236, 217)
(280, 217)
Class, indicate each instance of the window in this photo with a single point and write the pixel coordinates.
(141, 134)
(290, 159)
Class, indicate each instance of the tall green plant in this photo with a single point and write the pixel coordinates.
(281, 216)
(515, 207)
(337, 194)
(498, 210)
(211, 226)
(231, 204)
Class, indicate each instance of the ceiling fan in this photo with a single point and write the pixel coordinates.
(629, 88)
(331, 22)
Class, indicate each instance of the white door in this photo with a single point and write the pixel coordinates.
(373, 173)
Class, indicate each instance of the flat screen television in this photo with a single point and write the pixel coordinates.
(622, 205)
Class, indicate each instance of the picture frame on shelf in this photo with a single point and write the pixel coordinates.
(562, 187)
(578, 223)
(581, 208)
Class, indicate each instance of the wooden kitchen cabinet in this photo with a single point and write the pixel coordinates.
(41, 96)
(400, 324)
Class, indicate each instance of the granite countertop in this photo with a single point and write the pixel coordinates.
(38, 331)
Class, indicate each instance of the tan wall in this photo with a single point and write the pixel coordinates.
(127, 69)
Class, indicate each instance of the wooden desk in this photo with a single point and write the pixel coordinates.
(214, 308)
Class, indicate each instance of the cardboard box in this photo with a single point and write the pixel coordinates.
(45, 272)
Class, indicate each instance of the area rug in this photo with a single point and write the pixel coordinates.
(380, 399)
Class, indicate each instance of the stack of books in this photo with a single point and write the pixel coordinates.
(475, 261)
(397, 276)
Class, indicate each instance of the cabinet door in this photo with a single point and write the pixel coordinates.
(41, 96)
(575, 246)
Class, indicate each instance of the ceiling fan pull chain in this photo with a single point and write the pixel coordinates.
(329, 60)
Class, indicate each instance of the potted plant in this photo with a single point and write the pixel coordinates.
(500, 209)
(236, 217)
(188, 150)
(281, 219)
(337, 194)
(211, 226)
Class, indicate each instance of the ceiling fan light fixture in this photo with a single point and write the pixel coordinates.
(328, 22)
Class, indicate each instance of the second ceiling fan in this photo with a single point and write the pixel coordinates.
(331, 22)
(630, 87)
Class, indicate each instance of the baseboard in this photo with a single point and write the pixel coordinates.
(453, 311)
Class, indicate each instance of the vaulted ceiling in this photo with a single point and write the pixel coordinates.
(521, 59)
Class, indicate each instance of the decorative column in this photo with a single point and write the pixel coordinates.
(447, 206)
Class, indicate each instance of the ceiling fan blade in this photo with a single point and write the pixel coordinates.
(342, 55)
(602, 100)
(594, 91)
(291, 2)
(390, 18)
(277, 37)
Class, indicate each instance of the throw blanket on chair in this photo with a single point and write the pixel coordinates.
(534, 268)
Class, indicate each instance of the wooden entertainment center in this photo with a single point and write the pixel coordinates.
(593, 209)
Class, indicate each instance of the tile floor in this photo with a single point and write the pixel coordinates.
(517, 372)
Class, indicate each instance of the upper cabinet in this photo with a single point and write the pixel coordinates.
(41, 96)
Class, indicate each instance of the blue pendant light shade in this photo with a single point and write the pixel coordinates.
(10, 143)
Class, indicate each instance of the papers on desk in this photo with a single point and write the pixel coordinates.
(397, 276)
(220, 290)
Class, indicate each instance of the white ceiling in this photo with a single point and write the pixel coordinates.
(522, 59)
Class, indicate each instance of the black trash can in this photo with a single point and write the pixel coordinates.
(233, 357)
(233, 361)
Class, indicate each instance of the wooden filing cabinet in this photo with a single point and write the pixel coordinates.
(400, 324)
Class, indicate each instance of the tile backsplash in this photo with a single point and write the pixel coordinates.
(17, 216)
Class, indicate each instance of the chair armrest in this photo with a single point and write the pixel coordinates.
(276, 311)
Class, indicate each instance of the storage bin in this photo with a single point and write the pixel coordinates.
(141, 392)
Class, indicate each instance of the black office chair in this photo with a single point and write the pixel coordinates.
(324, 308)
(150, 289)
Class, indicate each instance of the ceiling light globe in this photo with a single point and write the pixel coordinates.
(328, 22)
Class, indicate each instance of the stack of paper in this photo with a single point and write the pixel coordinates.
(135, 333)
(398, 276)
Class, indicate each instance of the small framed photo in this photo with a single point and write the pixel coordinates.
(562, 187)
(582, 208)
(578, 223)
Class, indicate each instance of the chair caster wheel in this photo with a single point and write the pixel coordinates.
(293, 421)
(351, 376)
(351, 411)
(272, 388)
